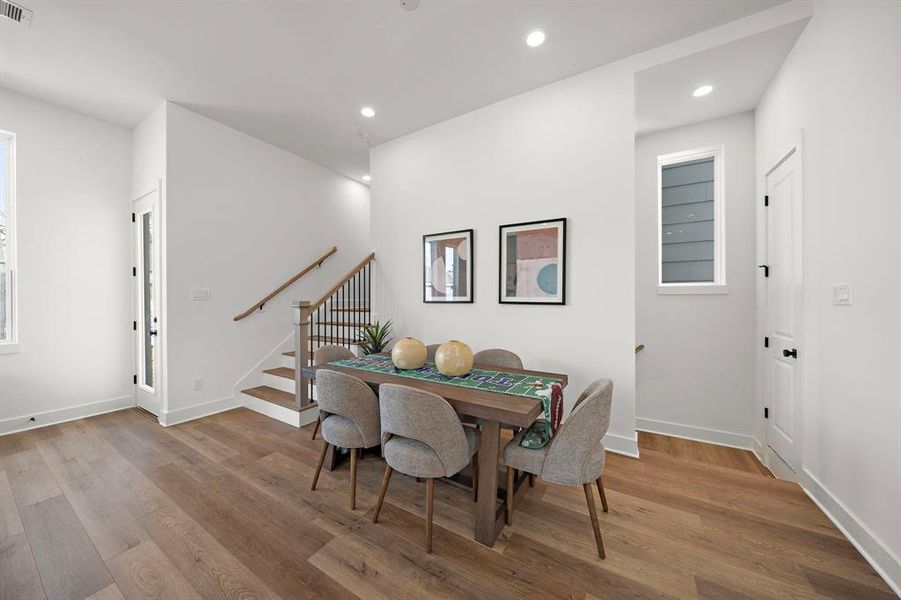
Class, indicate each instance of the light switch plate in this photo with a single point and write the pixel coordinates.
(200, 294)
(841, 294)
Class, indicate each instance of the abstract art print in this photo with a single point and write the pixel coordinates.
(533, 262)
(447, 266)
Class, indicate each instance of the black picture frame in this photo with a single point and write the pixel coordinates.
(470, 268)
(560, 298)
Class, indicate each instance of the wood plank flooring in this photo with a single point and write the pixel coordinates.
(116, 506)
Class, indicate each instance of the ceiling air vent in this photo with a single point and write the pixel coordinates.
(17, 13)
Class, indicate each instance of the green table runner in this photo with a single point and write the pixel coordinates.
(514, 384)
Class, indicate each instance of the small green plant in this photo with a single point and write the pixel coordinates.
(375, 337)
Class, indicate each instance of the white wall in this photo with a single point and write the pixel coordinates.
(840, 84)
(564, 150)
(241, 217)
(695, 377)
(74, 263)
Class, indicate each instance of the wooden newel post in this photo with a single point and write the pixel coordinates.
(301, 353)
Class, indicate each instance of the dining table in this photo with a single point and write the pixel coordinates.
(489, 409)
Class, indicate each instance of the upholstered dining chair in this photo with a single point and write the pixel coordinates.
(422, 437)
(497, 358)
(574, 456)
(327, 354)
(430, 351)
(349, 411)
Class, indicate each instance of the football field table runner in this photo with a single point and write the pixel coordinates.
(514, 384)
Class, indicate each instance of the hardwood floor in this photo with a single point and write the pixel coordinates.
(116, 506)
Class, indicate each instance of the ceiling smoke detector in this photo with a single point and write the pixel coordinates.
(409, 4)
(16, 13)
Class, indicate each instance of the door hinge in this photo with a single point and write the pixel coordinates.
(766, 270)
(766, 342)
(766, 412)
(132, 217)
(134, 325)
(766, 200)
(134, 271)
(135, 378)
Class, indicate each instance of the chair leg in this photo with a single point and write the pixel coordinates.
(315, 429)
(531, 480)
(602, 494)
(593, 511)
(475, 477)
(510, 493)
(378, 506)
(325, 446)
(353, 478)
(429, 498)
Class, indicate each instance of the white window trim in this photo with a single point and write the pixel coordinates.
(718, 285)
(11, 345)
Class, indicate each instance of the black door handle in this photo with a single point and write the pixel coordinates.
(793, 353)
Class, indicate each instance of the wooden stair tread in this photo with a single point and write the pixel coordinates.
(285, 372)
(270, 394)
(335, 340)
(280, 397)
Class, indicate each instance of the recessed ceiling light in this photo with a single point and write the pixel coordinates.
(535, 38)
(702, 91)
(367, 178)
(367, 111)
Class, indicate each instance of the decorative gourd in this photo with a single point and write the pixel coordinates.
(453, 358)
(408, 353)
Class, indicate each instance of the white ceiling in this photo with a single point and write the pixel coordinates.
(296, 73)
(739, 71)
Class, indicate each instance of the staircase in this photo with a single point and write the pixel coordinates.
(336, 318)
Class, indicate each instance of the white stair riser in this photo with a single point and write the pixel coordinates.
(279, 383)
(280, 413)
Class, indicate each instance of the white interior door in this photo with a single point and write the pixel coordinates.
(147, 302)
(785, 355)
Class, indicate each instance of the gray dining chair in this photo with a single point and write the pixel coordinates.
(349, 411)
(422, 437)
(430, 351)
(574, 456)
(497, 358)
(327, 354)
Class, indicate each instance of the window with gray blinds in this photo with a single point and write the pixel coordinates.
(687, 222)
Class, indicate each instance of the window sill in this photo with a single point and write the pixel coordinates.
(692, 289)
(9, 348)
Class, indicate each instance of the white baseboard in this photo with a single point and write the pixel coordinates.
(196, 411)
(61, 415)
(619, 444)
(698, 434)
(880, 557)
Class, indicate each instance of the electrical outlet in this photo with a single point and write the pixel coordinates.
(841, 294)
(197, 384)
(200, 294)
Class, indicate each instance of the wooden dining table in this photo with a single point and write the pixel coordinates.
(490, 409)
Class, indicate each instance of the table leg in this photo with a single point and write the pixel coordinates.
(486, 507)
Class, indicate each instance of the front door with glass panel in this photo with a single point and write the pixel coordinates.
(147, 302)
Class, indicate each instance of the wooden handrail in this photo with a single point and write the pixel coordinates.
(343, 280)
(316, 263)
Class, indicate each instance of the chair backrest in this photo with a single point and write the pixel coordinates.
(327, 354)
(575, 454)
(345, 395)
(426, 418)
(430, 351)
(498, 358)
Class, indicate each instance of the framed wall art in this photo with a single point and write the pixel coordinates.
(533, 262)
(447, 266)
